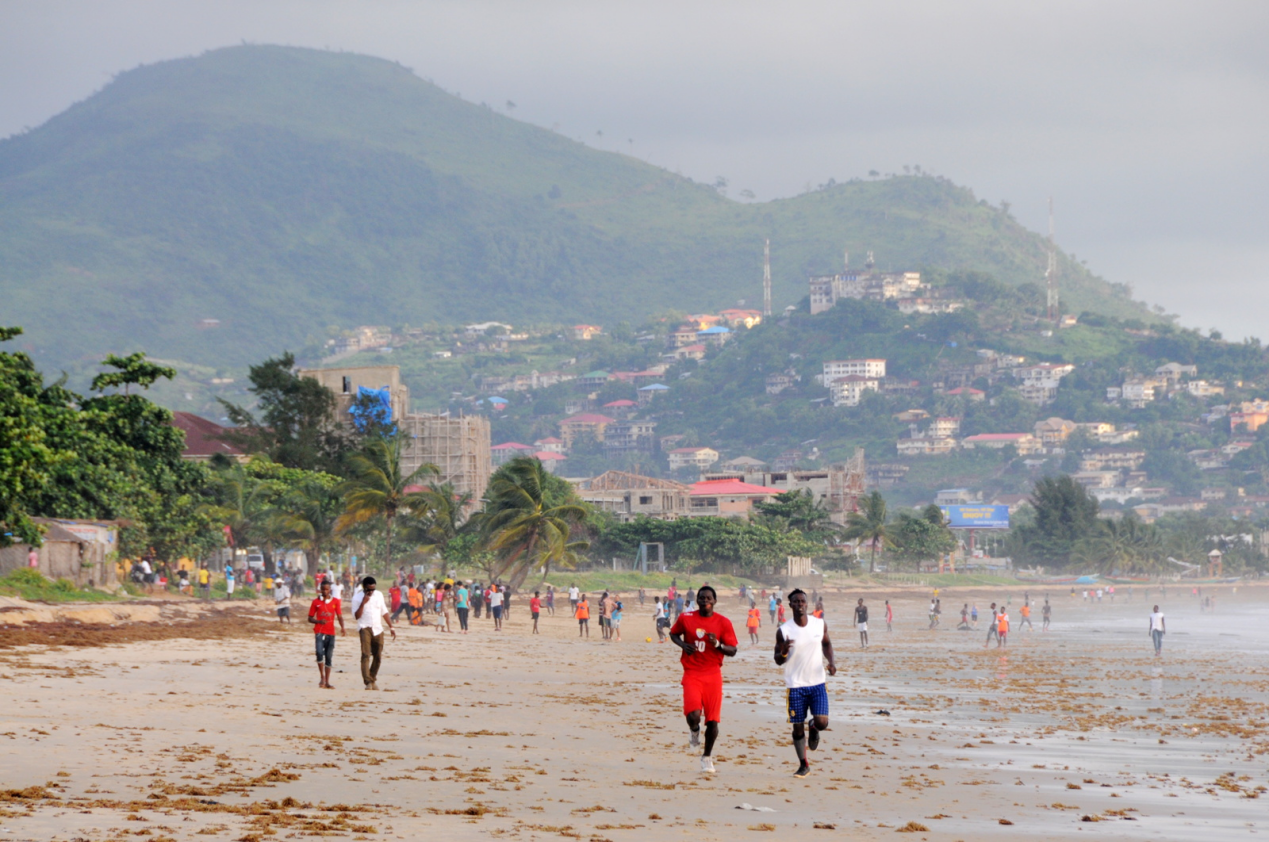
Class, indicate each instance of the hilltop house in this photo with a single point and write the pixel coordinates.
(874, 368)
(586, 332)
(1054, 431)
(849, 391)
(1025, 443)
(726, 497)
(692, 457)
(629, 436)
(586, 424)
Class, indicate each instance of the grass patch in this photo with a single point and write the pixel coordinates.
(33, 586)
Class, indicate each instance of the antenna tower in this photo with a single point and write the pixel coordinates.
(1050, 274)
(766, 279)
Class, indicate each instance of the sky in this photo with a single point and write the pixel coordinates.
(1146, 122)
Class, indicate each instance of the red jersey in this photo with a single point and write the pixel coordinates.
(325, 612)
(695, 628)
(535, 605)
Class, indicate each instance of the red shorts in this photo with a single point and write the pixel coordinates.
(703, 691)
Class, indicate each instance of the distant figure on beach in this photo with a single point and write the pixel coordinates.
(1002, 627)
(550, 600)
(973, 615)
(282, 599)
(229, 581)
(462, 606)
(705, 637)
(614, 621)
(779, 611)
(1025, 611)
(861, 623)
(992, 630)
(964, 624)
(771, 606)
(371, 614)
(323, 613)
(930, 613)
(1158, 628)
(661, 615)
(496, 604)
(678, 605)
(802, 647)
(819, 609)
(889, 616)
(582, 613)
(573, 595)
(1046, 614)
(535, 609)
(753, 622)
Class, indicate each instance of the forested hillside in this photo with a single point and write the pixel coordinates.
(283, 191)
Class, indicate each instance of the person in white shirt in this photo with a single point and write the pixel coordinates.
(573, 594)
(496, 598)
(336, 586)
(371, 614)
(282, 598)
(1158, 628)
(802, 647)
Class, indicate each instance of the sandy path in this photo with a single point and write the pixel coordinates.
(539, 737)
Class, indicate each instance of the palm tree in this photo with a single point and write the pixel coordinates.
(241, 504)
(379, 489)
(440, 522)
(870, 524)
(521, 527)
(308, 516)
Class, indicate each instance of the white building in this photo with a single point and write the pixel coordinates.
(849, 390)
(692, 457)
(860, 368)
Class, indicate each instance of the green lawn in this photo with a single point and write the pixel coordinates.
(32, 586)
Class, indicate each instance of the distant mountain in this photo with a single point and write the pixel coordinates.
(280, 191)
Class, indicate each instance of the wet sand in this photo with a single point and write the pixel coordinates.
(1068, 734)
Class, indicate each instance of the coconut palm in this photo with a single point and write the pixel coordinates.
(870, 524)
(380, 489)
(521, 527)
(307, 516)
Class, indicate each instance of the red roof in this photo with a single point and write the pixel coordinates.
(620, 403)
(697, 347)
(733, 487)
(588, 418)
(965, 390)
(201, 436)
(548, 456)
(511, 445)
(549, 440)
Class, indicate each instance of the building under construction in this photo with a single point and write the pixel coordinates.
(457, 445)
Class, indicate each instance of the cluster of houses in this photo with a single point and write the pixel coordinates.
(902, 289)
(937, 436)
(1169, 380)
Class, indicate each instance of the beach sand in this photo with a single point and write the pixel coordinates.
(1074, 733)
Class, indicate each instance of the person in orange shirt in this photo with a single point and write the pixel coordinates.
(583, 617)
(1002, 627)
(754, 621)
(1025, 611)
(415, 598)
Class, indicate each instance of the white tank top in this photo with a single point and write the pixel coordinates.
(805, 666)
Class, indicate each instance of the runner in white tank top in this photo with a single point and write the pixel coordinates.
(802, 647)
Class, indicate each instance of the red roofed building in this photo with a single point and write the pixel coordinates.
(966, 392)
(727, 497)
(622, 408)
(549, 460)
(586, 424)
(550, 444)
(202, 438)
(509, 450)
(689, 457)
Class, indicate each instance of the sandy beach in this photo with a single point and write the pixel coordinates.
(1078, 732)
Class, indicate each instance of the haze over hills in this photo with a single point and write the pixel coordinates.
(284, 190)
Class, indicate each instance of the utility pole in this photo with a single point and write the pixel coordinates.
(1050, 274)
(766, 280)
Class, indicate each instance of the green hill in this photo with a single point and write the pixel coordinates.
(282, 191)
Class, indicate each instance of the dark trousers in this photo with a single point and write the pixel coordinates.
(371, 654)
(462, 618)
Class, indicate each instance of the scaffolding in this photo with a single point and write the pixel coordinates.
(457, 445)
(846, 484)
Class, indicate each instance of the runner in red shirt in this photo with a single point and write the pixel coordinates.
(535, 608)
(323, 613)
(705, 638)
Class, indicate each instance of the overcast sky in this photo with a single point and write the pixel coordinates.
(1148, 122)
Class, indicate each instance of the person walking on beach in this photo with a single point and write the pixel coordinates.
(371, 615)
(662, 621)
(964, 624)
(932, 618)
(678, 605)
(323, 613)
(229, 582)
(802, 646)
(861, 622)
(771, 606)
(992, 631)
(973, 615)
(1158, 628)
(889, 616)
(582, 613)
(706, 637)
(1002, 627)
(614, 621)
(462, 606)
(550, 600)
(605, 606)
(496, 598)
(780, 612)
(573, 595)
(535, 608)
(1025, 611)
(752, 623)
(1046, 614)
(282, 599)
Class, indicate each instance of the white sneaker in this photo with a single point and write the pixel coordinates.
(707, 765)
(694, 739)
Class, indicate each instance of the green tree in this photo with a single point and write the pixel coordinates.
(296, 426)
(26, 460)
(919, 538)
(799, 510)
(132, 370)
(1065, 513)
(522, 525)
(871, 524)
(379, 489)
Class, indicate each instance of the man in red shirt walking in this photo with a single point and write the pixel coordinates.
(324, 612)
(706, 638)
